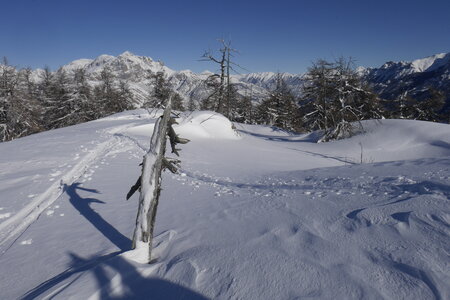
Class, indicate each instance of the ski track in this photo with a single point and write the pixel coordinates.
(383, 202)
(19, 222)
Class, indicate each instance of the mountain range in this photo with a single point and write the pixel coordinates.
(415, 77)
(390, 80)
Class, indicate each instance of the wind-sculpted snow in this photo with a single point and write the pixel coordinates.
(265, 215)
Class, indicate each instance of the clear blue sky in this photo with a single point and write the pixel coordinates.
(277, 35)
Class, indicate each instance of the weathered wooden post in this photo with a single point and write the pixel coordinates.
(150, 180)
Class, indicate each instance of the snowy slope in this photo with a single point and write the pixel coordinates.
(394, 78)
(395, 70)
(254, 214)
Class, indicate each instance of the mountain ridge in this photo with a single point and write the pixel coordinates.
(389, 80)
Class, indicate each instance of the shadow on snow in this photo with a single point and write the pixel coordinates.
(132, 284)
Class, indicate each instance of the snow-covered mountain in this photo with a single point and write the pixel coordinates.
(257, 214)
(136, 70)
(389, 80)
(393, 78)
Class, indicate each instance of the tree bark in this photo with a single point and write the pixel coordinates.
(151, 184)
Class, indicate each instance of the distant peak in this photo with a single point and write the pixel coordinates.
(431, 62)
(127, 53)
(105, 57)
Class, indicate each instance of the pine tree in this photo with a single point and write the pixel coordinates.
(8, 81)
(124, 99)
(61, 107)
(83, 96)
(244, 111)
(280, 108)
(109, 99)
(159, 90)
(430, 108)
(317, 95)
(177, 102)
(18, 112)
(335, 99)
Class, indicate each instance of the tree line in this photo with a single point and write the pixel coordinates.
(58, 99)
(334, 99)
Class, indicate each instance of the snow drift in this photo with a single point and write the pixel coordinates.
(260, 215)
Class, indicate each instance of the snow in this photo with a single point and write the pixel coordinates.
(206, 124)
(77, 64)
(196, 125)
(431, 63)
(397, 70)
(255, 214)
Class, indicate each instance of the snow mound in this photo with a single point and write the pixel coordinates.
(196, 125)
(390, 140)
(207, 125)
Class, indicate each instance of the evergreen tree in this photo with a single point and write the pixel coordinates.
(335, 99)
(244, 111)
(83, 96)
(160, 90)
(317, 95)
(18, 111)
(177, 102)
(61, 107)
(280, 108)
(124, 99)
(431, 107)
(403, 107)
(110, 99)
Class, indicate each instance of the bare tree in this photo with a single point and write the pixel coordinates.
(223, 96)
(150, 181)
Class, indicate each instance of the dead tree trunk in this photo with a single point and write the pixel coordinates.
(149, 182)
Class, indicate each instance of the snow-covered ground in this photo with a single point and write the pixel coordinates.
(254, 214)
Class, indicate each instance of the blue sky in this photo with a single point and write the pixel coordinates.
(277, 35)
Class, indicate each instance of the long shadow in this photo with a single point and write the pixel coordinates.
(134, 285)
(310, 138)
(137, 286)
(75, 267)
(83, 206)
(337, 158)
(441, 144)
